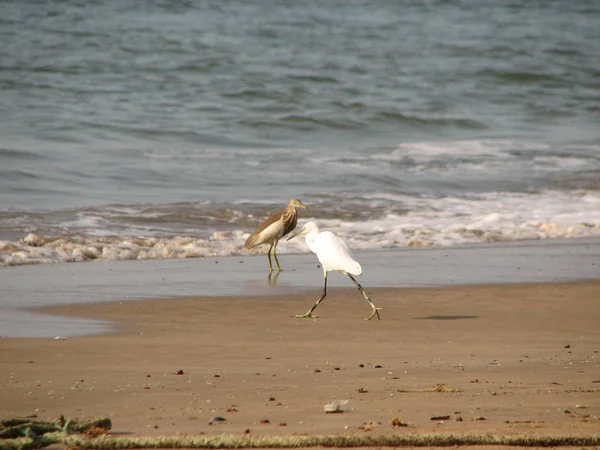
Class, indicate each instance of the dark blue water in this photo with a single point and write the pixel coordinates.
(397, 122)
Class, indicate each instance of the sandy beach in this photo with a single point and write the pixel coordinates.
(507, 359)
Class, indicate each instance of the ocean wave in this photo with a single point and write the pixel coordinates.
(374, 221)
(424, 121)
(522, 77)
(8, 153)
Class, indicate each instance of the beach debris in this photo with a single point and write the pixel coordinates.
(361, 390)
(271, 399)
(336, 406)
(265, 421)
(232, 409)
(377, 366)
(567, 346)
(60, 338)
(96, 431)
(247, 431)
(441, 388)
(397, 422)
(440, 417)
(283, 424)
(179, 372)
(479, 418)
(34, 240)
(368, 426)
(458, 419)
(217, 419)
(317, 370)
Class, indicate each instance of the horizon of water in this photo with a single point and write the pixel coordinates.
(171, 129)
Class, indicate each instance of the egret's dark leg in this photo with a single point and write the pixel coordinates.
(275, 255)
(309, 314)
(375, 310)
(269, 256)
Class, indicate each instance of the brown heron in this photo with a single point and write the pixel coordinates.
(276, 226)
(334, 255)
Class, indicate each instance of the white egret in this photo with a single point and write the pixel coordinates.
(276, 226)
(334, 255)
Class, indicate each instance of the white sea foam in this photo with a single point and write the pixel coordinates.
(480, 156)
(428, 221)
(478, 218)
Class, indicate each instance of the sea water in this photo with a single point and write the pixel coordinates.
(132, 131)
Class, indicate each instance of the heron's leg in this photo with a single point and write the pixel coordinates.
(375, 309)
(309, 314)
(269, 256)
(275, 255)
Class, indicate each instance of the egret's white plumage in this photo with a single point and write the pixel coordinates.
(334, 255)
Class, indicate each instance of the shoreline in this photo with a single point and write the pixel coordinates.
(508, 359)
(26, 288)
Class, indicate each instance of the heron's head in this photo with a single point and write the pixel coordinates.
(308, 228)
(296, 203)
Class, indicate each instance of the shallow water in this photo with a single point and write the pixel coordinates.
(168, 130)
(27, 288)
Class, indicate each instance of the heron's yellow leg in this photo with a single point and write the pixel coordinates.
(269, 256)
(275, 255)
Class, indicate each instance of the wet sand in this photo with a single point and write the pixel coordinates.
(24, 288)
(507, 359)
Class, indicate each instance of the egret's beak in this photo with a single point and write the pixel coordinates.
(298, 234)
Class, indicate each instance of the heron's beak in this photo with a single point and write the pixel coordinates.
(301, 205)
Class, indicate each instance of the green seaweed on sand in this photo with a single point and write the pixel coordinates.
(24, 433)
(247, 441)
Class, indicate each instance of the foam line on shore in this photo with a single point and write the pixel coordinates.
(48, 285)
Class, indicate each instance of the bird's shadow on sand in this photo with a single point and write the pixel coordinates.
(446, 317)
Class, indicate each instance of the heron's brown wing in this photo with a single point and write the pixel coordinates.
(254, 239)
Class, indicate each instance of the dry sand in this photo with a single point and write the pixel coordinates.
(506, 359)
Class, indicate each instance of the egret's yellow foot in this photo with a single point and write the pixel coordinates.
(374, 313)
(306, 316)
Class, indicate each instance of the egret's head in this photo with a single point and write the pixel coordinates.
(309, 227)
(296, 203)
